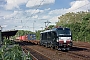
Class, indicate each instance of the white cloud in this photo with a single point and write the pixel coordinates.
(79, 5)
(58, 11)
(28, 21)
(34, 11)
(72, 3)
(4, 26)
(47, 9)
(4, 13)
(22, 15)
(28, 16)
(36, 16)
(20, 26)
(33, 3)
(54, 19)
(11, 4)
(45, 17)
(10, 15)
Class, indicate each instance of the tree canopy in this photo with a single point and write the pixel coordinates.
(79, 23)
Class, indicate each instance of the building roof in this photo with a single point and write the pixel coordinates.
(9, 33)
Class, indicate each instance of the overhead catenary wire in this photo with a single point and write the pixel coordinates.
(34, 11)
(40, 5)
(81, 6)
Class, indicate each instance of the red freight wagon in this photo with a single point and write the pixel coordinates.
(24, 38)
(20, 38)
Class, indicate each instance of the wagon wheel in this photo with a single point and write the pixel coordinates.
(46, 45)
(52, 47)
(56, 47)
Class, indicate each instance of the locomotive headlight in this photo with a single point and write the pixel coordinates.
(60, 40)
(57, 40)
(68, 38)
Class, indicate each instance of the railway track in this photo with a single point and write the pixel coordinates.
(78, 44)
(34, 54)
(77, 53)
(26, 51)
(80, 56)
(73, 54)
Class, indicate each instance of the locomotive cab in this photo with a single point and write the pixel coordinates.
(64, 38)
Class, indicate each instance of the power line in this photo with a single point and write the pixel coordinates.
(40, 5)
(81, 6)
(33, 13)
(36, 9)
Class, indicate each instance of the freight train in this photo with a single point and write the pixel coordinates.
(27, 37)
(57, 38)
(31, 38)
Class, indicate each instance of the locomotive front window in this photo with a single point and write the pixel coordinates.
(63, 31)
(67, 31)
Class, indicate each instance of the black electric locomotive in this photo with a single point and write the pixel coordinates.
(59, 38)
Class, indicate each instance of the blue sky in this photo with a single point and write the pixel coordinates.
(61, 4)
(26, 14)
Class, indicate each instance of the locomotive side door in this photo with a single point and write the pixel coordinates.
(54, 37)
